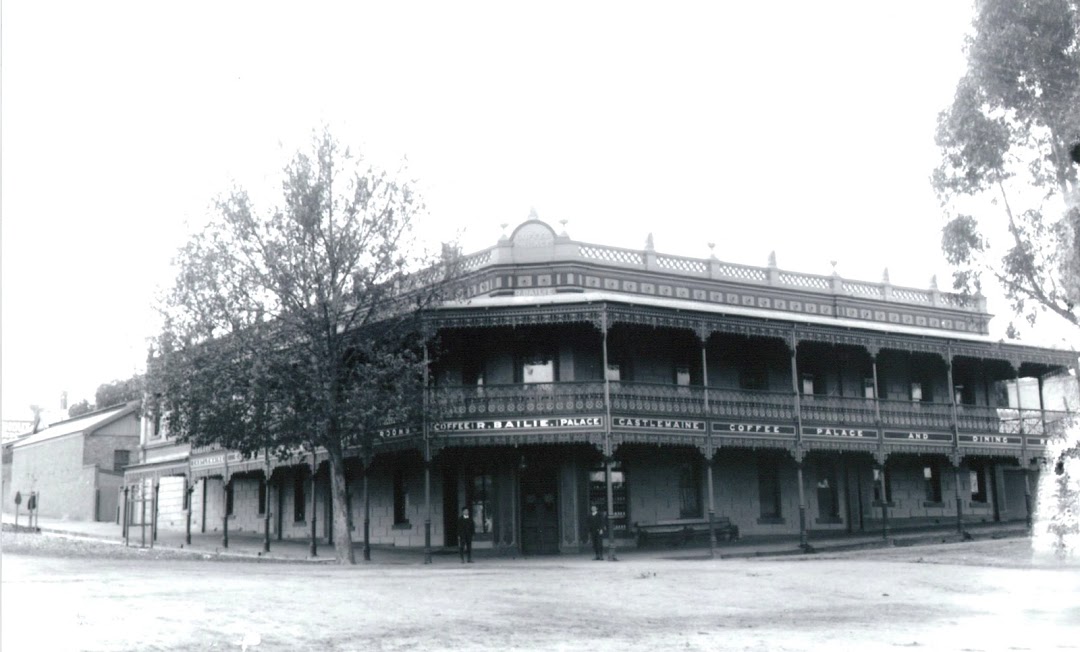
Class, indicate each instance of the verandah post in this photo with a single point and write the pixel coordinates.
(313, 546)
(608, 454)
(956, 438)
(427, 462)
(803, 534)
(709, 452)
(189, 489)
(882, 453)
(266, 501)
(1025, 463)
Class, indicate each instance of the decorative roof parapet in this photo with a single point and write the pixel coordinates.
(534, 241)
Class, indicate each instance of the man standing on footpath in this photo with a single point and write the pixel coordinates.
(596, 533)
(466, 530)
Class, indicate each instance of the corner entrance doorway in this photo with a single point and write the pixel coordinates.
(539, 511)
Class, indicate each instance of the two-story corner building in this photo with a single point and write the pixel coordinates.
(661, 389)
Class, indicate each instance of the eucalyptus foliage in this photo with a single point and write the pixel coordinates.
(1006, 140)
(299, 327)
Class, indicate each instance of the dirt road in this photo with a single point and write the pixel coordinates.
(976, 596)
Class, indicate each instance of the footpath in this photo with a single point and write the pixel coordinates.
(249, 544)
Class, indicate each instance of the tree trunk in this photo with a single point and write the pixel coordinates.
(343, 548)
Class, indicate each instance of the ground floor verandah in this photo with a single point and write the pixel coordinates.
(536, 499)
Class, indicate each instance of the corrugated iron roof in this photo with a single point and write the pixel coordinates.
(83, 423)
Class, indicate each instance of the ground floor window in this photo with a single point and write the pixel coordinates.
(598, 495)
(299, 499)
(401, 498)
(827, 491)
(478, 496)
(877, 484)
(769, 487)
(932, 483)
(690, 490)
(977, 475)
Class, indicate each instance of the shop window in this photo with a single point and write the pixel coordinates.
(769, 487)
(690, 490)
(401, 498)
(299, 498)
(478, 496)
(977, 478)
(932, 483)
(262, 496)
(229, 498)
(120, 460)
(598, 495)
(888, 485)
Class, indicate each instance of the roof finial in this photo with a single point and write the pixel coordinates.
(532, 214)
(649, 243)
(563, 222)
(712, 247)
(885, 276)
(933, 282)
(772, 258)
(833, 263)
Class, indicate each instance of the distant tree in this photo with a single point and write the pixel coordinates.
(298, 327)
(119, 391)
(1006, 143)
(80, 408)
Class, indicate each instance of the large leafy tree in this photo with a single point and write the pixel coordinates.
(1006, 142)
(299, 327)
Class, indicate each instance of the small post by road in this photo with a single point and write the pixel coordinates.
(18, 501)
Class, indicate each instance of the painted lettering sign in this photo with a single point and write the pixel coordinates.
(752, 429)
(657, 424)
(902, 435)
(850, 433)
(518, 424)
(392, 433)
(219, 459)
(533, 292)
(1038, 442)
(990, 439)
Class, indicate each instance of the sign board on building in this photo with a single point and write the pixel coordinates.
(917, 436)
(518, 424)
(658, 424)
(741, 429)
(839, 432)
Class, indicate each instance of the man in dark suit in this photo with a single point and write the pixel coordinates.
(466, 530)
(596, 532)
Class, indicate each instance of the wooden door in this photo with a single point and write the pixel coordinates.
(539, 512)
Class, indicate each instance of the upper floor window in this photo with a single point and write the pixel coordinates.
(537, 365)
(682, 375)
(869, 390)
(121, 458)
(614, 372)
(754, 377)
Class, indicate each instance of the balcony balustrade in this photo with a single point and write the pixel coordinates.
(752, 405)
(532, 399)
(838, 410)
(675, 401)
(657, 399)
(916, 415)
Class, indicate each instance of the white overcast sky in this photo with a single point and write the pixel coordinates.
(800, 127)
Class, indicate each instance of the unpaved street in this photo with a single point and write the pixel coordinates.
(976, 596)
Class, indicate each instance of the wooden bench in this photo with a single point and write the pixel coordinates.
(682, 531)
